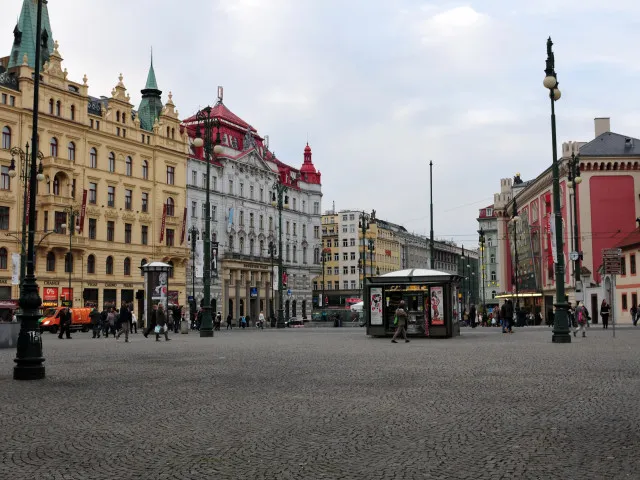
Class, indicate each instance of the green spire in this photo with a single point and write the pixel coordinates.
(151, 104)
(24, 35)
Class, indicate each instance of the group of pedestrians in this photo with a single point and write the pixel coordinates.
(115, 322)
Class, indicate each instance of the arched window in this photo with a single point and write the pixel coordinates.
(145, 169)
(3, 258)
(56, 185)
(58, 108)
(71, 149)
(295, 254)
(143, 262)
(173, 133)
(112, 162)
(93, 158)
(261, 248)
(124, 117)
(170, 262)
(241, 245)
(493, 276)
(170, 207)
(51, 262)
(51, 106)
(231, 243)
(251, 245)
(129, 166)
(68, 262)
(109, 265)
(91, 264)
(6, 138)
(73, 112)
(168, 132)
(53, 147)
(493, 294)
(118, 115)
(492, 258)
(127, 266)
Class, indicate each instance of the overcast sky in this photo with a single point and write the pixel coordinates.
(379, 88)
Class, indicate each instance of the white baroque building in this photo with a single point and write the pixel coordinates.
(244, 222)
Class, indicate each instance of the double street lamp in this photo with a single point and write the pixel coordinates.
(72, 212)
(29, 357)
(574, 181)
(364, 222)
(25, 173)
(280, 200)
(561, 318)
(208, 122)
(272, 253)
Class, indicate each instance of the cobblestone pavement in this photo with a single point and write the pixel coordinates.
(326, 404)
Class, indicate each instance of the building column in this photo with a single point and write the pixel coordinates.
(237, 296)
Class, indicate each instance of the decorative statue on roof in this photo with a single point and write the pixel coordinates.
(517, 180)
(373, 214)
(248, 142)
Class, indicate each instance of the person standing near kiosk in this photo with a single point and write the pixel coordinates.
(401, 318)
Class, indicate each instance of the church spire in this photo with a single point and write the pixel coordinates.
(24, 35)
(151, 104)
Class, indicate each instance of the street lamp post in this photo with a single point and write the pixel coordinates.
(372, 249)
(23, 155)
(29, 357)
(516, 261)
(574, 181)
(205, 118)
(280, 201)
(194, 236)
(364, 226)
(561, 318)
(272, 252)
(72, 212)
(484, 279)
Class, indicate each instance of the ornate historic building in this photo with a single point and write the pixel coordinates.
(244, 221)
(121, 170)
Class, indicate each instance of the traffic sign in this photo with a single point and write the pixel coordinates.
(289, 292)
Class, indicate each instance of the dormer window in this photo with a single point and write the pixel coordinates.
(489, 212)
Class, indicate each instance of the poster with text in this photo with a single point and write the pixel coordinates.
(199, 259)
(376, 306)
(159, 288)
(15, 269)
(437, 304)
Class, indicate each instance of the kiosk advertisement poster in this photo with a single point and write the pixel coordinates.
(436, 301)
(158, 284)
(376, 306)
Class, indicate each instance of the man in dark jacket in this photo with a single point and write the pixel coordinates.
(161, 321)
(65, 322)
(95, 316)
(125, 321)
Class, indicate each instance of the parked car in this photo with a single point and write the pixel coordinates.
(294, 322)
(79, 319)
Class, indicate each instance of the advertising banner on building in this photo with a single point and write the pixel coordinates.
(214, 259)
(552, 232)
(50, 297)
(164, 222)
(83, 211)
(376, 306)
(158, 283)
(275, 278)
(15, 269)
(436, 299)
(199, 258)
(184, 226)
(526, 269)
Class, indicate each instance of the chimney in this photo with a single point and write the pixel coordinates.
(603, 125)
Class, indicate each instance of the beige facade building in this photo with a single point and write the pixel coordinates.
(121, 170)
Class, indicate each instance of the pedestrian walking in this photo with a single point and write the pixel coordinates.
(134, 322)
(152, 321)
(125, 321)
(582, 317)
(218, 321)
(103, 321)
(65, 322)
(243, 322)
(473, 316)
(634, 314)
(605, 310)
(261, 320)
(401, 321)
(95, 316)
(161, 324)
(229, 319)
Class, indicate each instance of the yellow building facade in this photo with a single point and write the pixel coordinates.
(125, 182)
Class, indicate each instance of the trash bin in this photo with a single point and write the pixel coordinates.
(184, 326)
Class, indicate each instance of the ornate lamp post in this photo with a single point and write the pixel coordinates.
(561, 318)
(272, 252)
(516, 261)
(574, 181)
(483, 276)
(280, 201)
(23, 155)
(372, 249)
(364, 226)
(205, 118)
(29, 357)
(72, 212)
(194, 236)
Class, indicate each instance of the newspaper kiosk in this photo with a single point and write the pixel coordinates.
(430, 297)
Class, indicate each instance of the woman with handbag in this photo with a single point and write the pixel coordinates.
(161, 324)
(605, 310)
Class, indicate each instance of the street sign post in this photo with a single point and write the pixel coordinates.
(612, 266)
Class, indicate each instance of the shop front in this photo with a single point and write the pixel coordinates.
(430, 299)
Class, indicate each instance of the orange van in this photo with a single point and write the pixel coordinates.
(79, 319)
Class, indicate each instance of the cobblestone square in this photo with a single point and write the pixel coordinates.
(326, 403)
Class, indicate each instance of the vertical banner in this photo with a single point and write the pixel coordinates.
(437, 317)
(552, 230)
(376, 306)
(276, 272)
(15, 269)
(230, 220)
(158, 283)
(214, 259)
(184, 226)
(28, 206)
(83, 211)
(164, 221)
(199, 259)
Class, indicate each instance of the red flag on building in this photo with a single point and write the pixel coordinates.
(83, 210)
(164, 220)
(184, 226)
